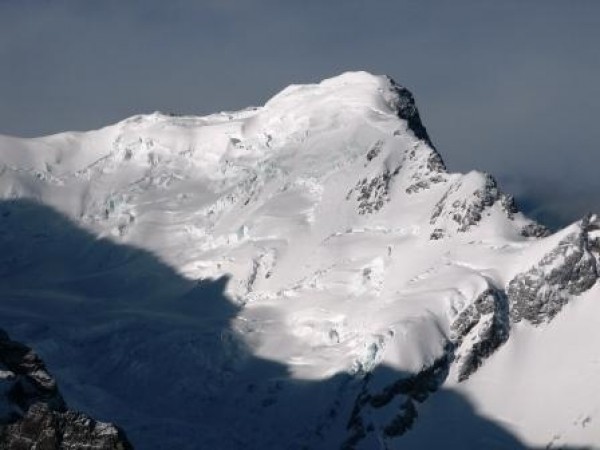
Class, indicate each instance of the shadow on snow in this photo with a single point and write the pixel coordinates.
(132, 341)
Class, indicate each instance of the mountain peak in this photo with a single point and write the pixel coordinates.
(354, 90)
(342, 254)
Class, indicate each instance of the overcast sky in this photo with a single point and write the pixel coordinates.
(509, 87)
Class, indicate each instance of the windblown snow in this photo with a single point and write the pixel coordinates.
(306, 274)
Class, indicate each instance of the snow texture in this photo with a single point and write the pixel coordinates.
(305, 274)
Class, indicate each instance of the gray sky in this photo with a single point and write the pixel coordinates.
(510, 87)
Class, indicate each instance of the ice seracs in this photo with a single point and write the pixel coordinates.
(354, 259)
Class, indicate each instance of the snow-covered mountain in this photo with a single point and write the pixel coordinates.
(306, 274)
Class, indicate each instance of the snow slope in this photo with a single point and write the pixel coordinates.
(303, 274)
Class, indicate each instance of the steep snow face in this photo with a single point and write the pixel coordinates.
(347, 245)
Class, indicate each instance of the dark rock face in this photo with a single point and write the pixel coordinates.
(479, 330)
(44, 429)
(372, 194)
(429, 170)
(402, 396)
(406, 109)
(424, 184)
(374, 151)
(535, 230)
(570, 269)
(34, 414)
(25, 380)
(432, 165)
(509, 205)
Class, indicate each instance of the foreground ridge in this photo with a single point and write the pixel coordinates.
(34, 412)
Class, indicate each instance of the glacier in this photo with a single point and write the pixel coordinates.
(305, 274)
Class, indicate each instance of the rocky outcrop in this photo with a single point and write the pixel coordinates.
(406, 109)
(372, 194)
(535, 230)
(479, 330)
(464, 203)
(45, 429)
(427, 169)
(33, 414)
(375, 150)
(569, 269)
(399, 399)
(25, 380)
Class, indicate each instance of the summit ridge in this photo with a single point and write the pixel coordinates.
(229, 267)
